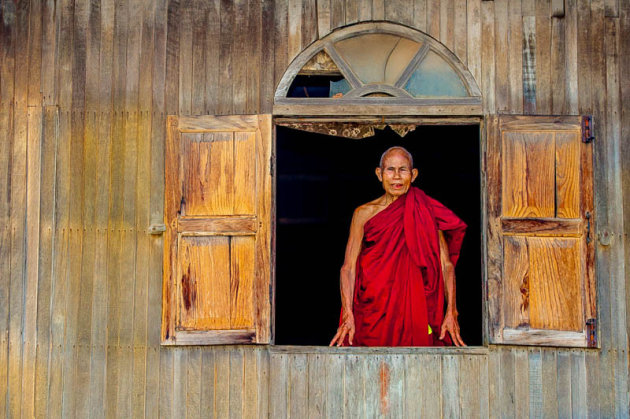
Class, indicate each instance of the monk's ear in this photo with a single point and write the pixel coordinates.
(379, 174)
(414, 174)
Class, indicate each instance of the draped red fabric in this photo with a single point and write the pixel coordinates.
(399, 288)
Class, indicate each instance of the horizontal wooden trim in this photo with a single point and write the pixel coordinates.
(540, 337)
(228, 123)
(340, 108)
(424, 120)
(540, 123)
(542, 227)
(212, 337)
(381, 101)
(382, 350)
(217, 225)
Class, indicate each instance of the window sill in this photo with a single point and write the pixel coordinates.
(326, 350)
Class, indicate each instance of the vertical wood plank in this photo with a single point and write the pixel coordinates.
(460, 23)
(420, 15)
(447, 18)
(212, 49)
(337, 14)
(250, 383)
(572, 92)
(487, 57)
(281, 31)
(267, 72)
(193, 384)
(354, 387)
(206, 395)
(186, 58)
(180, 382)
(501, 55)
(298, 386)
(352, 11)
(413, 385)
(47, 226)
(221, 383)
(59, 266)
(549, 383)
(171, 91)
(35, 42)
(579, 400)
(535, 383)
(225, 105)
(365, 10)
(264, 383)
(378, 9)
(515, 54)
(543, 58)
(584, 50)
(521, 383)
(494, 370)
(294, 16)
(254, 55)
(470, 386)
(323, 18)
(199, 68)
(33, 206)
(239, 53)
(592, 366)
(474, 48)
(558, 66)
(396, 386)
(450, 384)
(278, 385)
(317, 385)
(17, 216)
(564, 384)
(529, 64)
(236, 383)
(166, 383)
(335, 386)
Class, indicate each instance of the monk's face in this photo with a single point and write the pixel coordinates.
(396, 175)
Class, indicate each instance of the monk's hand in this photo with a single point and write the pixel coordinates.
(451, 326)
(345, 329)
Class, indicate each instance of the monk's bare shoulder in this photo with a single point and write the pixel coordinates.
(368, 210)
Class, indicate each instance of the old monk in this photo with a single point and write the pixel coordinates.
(399, 266)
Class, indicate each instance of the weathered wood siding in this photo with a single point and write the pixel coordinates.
(85, 87)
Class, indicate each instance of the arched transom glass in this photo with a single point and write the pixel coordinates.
(377, 63)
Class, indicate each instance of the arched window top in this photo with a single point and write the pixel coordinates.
(383, 66)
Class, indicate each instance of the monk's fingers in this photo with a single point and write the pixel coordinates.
(334, 339)
(350, 336)
(342, 336)
(443, 331)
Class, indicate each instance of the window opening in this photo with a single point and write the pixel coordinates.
(321, 179)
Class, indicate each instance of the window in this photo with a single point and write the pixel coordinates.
(541, 285)
(218, 217)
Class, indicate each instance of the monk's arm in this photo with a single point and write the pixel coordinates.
(347, 277)
(448, 272)
(450, 323)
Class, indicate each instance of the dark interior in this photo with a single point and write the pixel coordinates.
(321, 179)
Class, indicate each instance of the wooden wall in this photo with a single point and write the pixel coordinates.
(84, 90)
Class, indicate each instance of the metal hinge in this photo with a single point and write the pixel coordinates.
(587, 129)
(591, 333)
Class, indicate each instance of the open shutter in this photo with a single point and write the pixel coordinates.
(217, 246)
(541, 288)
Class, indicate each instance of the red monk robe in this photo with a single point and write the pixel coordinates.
(399, 288)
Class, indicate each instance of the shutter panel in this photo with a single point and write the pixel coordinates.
(218, 215)
(541, 288)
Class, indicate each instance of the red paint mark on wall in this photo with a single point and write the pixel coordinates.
(384, 379)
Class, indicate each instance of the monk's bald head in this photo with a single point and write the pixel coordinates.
(396, 150)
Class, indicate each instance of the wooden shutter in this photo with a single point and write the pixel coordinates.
(217, 248)
(541, 288)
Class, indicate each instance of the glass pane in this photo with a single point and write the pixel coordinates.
(339, 88)
(377, 58)
(435, 77)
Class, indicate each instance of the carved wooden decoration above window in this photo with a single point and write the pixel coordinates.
(377, 68)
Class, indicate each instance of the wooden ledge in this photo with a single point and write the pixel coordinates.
(326, 350)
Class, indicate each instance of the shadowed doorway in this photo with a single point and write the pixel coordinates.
(321, 179)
